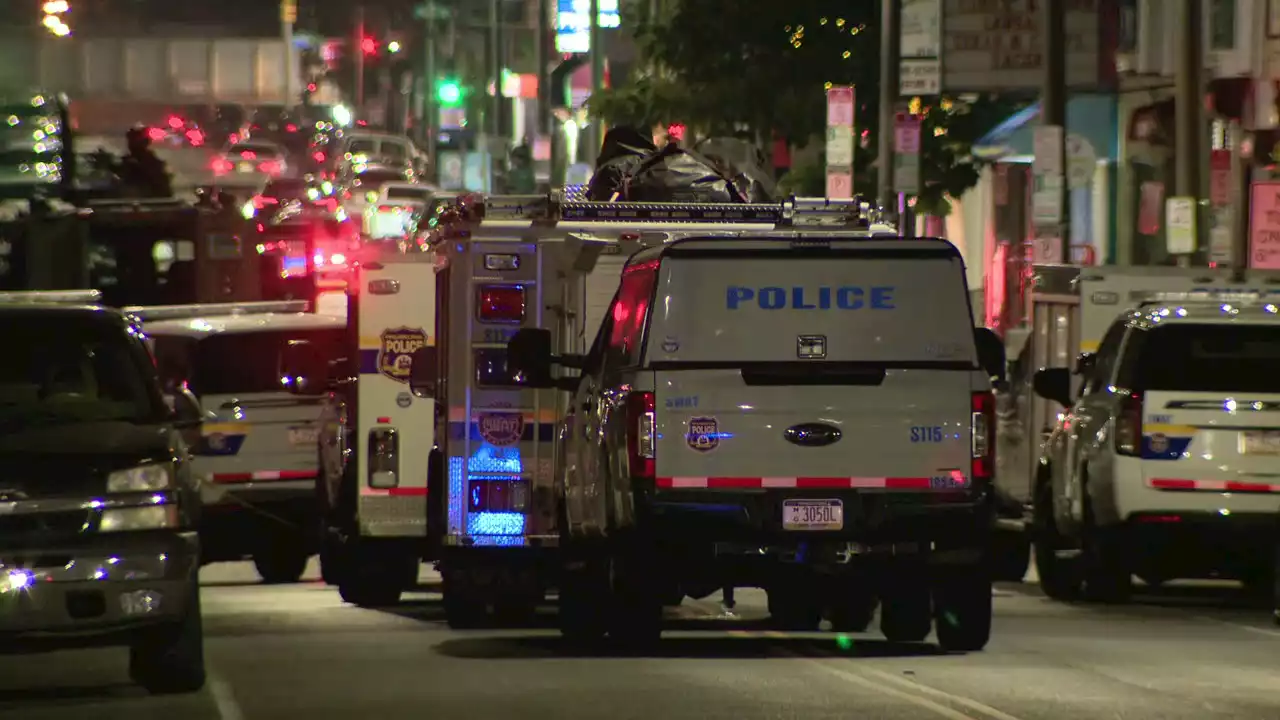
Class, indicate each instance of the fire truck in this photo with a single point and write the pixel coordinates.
(434, 450)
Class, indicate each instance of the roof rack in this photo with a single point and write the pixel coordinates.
(52, 297)
(565, 204)
(174, 312)
(1206, 295)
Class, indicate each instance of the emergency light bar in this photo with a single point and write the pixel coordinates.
(173, 312)
(1207, 295)
(52, 297)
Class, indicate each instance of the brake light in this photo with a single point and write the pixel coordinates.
(291, 128)
(501, 303)
(641, 434)
(222, 165)
(261, 201)
(156, 134)
(318, 156)
(175, 122)
(249, 155)
(983, 437)
(195, 137)
(1128, 428)
(270, 167)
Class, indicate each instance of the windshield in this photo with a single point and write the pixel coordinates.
(74, 369)
(1209, 358)
(403, 193)
(233, 364)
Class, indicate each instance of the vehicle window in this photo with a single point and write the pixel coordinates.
(1209, 358)
(72, 370)
(629, 312)
(357, 147)
(392, 150)
(595, 355)
(1108, 354)
(258, 149)
(234, 364)
(403, 193)
(285, 189)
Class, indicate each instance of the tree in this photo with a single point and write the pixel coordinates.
(763, 67)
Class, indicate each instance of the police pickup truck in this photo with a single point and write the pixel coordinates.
(98, 507)
(808, 412)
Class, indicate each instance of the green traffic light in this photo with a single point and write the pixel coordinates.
(449, 93)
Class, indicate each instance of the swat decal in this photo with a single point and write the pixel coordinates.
(501, 429)
(704, 434)
(396, 354)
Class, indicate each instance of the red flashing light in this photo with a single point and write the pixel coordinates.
(222, 165)
(369, 46)
(318, 156)
(501, 303)
(675, 131)
(641, 435)
(176, 122)
(291, 128)
(248, 155)
(156, 134)
(195, 137)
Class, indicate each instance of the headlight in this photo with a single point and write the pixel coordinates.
(152, 517)
(145, 478)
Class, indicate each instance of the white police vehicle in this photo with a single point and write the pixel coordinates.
(807, 411)
(257, 457)
(1167, 463)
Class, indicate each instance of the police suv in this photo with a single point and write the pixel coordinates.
(1167, 463)
(808, 411)
(257, 455)
(98, 505)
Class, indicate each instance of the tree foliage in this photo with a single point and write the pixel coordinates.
(763, 67)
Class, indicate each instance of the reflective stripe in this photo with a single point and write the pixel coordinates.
(264, 475)
(1212, 485)
(394, 492)
(894, 483)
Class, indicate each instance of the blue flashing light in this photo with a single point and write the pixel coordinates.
(490, 460)
(457, 491)
(495, 523)
(499, 540)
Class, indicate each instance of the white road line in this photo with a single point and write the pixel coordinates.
(919, 687)
(1240, 626)
(917, 700)
(224, 699)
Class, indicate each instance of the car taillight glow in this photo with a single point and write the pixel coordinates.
(195, 137)
(249, 155)
(222, 165)
(641, 434)
(270, 167)
(157, 134)
(1128, 427)
(983, 437)
(501, 303)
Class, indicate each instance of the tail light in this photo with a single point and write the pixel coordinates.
(498, 496)
(260, 202)
(384, 458)
(270, 167)
(157, 134)
(195, 137)
(501, 303)
(1128, 428)
(222, 165)
(249, 155)
(982, 431)
(641, 434)
(390, 208)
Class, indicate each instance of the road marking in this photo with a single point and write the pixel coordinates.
(920, 687)
(917, 700)
(1240, 626)
(224, 699)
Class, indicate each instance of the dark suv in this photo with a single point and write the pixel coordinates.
(97, 501)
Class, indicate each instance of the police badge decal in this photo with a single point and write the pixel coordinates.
(396, 354)
(704, 434)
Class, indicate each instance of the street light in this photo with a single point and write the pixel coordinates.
(393, 46)
(53, 12)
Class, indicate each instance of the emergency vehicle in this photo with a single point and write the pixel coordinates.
(1162, 458)
(256, 456)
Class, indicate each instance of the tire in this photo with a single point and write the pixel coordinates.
(463, 611)
(584, 600)
(962, 608)
(905, 608)
(1107, 575)
(1060, 578)
(376, 581)
(635, 622)
(281, 565)
(169, 659)
(1012, 556)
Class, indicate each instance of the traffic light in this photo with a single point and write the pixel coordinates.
(369, 46)
(449, 93)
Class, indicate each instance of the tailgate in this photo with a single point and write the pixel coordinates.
(260, 437)
(1211, 441)
(745, 428)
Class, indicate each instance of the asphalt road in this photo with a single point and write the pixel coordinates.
(297, 652)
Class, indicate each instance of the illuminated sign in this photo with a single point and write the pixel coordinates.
(573, 23)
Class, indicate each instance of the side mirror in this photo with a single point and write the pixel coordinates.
(184, 410)
(1053, 384)
(1085, 363)
(991, 354)
(423, 371)
(304, 369)
(529, 355)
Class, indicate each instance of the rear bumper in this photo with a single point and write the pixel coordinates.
(872, 518)
(1201, 544)
(97, 592)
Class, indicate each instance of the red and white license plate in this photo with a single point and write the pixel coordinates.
(812, 515)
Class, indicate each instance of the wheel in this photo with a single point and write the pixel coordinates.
(463, 611)
(1012, 556)
(281, 564)
(962, 608)
(330, 559)
(852, 610)
(169, 659)
(1060, 577)
(377, 580)
(584, 600)
(905, 615)
(1107, 575)
(635, 621)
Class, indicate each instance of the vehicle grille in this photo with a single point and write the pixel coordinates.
(44, 528)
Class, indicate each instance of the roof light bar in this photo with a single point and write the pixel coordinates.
(1207, 295)
(55, 297)
(173, 312)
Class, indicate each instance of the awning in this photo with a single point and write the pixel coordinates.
(1092, 117)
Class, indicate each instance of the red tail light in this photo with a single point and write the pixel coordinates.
(1128, 428)
(641, 435)
(983, 437)
(270, 167)
(318, 156)
(176, 122)
(156, 134)
(386, 209)
(249, 155)
(291, 128)
(195, 137)
(222, 165)
(261, 202)
(501, 303)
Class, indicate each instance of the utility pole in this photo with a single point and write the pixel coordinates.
(430, 117)
(288, 16)
(357, 48)
(1053, 113)
(597, 79)
(1188, 103)
(890, 49)
(545, 125)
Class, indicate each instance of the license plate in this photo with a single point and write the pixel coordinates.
(246, 167)
(806, 515)
(1262, 442)
(303, 436)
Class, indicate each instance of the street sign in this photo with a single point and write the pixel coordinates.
(840, 106)
(288, 11)
(1180, 225)
(1264, 226)
(839, 185)
(906, 154)
(1082, 162)
(920, 32)
(1047, 178)
(840, 141)
(1220, 177)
